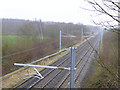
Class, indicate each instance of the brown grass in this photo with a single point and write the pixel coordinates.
(105, 75)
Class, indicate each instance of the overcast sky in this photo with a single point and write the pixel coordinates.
(46, 10)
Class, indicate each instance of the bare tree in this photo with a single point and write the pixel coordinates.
(110, 12)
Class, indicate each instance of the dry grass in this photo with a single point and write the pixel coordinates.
(106, 68)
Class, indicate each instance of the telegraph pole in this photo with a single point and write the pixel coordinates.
(41, 29)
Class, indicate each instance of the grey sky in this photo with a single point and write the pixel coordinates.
(47, 10)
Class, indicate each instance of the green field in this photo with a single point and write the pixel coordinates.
(14, 43)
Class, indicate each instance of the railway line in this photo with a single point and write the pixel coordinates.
(55, 78)
(81, 62)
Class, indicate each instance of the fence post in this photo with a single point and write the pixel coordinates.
(72, 69)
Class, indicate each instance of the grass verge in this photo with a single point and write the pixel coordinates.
(105, 71)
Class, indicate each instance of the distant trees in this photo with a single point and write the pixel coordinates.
(39, 29)
(51, 30)
(28, 29)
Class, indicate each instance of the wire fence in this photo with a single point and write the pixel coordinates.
(18, 52)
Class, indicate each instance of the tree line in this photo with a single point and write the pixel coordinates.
(44, 29)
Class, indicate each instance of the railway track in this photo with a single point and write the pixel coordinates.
(60, 78)
(80, 66)
(81, 63)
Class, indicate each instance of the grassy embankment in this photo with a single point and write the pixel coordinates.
(105, 72)
(13, 44)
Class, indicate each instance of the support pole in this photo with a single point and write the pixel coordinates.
(60, 41)
(72, 69)
(101, 36)
(41, 29)
(98, 42)
(81, 34)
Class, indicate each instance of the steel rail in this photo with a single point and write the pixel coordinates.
(59, 85)
(80, 60)
(85, 62)
(44, 75)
